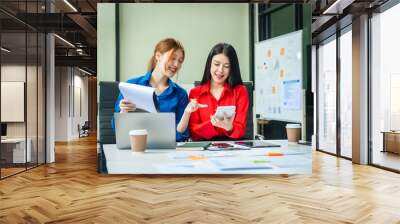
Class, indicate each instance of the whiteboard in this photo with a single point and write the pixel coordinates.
(12, 101)
(279, 78)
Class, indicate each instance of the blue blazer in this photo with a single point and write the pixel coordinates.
(173, 99)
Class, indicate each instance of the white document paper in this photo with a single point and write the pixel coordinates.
(142, 96)
(186, 167)
(206, 154)
(242, 163)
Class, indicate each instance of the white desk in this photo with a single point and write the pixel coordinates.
(297, 159)
(18, 150)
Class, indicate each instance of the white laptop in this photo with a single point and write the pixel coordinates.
(160, 128)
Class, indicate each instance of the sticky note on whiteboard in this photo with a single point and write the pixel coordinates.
(282, 51)
(282, 73)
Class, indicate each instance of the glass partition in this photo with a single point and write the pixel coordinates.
(13, 87)
(41, 96)
(327, 96)
(22, 87)
(346, 93)
(385, 89)
(31, 98)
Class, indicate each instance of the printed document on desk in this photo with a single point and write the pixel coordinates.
(187, 167)
(236, 163)
(144, 97)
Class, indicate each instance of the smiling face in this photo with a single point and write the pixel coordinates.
(170, 62)
(220, 68)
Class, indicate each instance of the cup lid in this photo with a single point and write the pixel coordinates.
(293, 126)
(138, 132)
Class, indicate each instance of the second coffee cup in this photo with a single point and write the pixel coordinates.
(138, 139)
(293, 132)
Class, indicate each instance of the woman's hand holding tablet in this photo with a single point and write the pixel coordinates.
(225, 111)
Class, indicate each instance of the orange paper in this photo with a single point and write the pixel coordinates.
(197, 157)
(274, 154)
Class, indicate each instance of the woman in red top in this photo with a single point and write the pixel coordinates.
(221, 86)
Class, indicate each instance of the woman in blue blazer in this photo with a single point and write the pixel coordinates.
(165, 63)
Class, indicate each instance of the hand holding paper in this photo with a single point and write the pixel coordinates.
(137, 96)
(126, 106)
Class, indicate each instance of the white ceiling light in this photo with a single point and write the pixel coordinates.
(79, 51)
(5, 50)
(70, 5)
(84, 71)
(338, 6)
(65, 41)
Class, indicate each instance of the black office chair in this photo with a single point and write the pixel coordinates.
(249, 135)
(84, 129)
(107, 97)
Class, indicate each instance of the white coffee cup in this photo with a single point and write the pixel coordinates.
(293, 132)
(138, 139)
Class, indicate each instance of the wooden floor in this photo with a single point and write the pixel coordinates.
(5, 172)
(386, 159)
(70, 191)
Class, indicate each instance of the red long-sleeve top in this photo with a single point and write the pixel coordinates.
(200, 124)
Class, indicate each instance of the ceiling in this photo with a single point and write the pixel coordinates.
(74, 23)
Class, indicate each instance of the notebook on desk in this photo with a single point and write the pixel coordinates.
(226, 146)
(257, 144)
(193, 146)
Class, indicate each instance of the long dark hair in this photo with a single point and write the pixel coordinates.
(234, 78)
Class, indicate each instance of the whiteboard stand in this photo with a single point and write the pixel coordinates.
(260, 125)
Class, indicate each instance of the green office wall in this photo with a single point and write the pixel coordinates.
(197, 26)
(307, 40)
(106, 42)
(283, 20)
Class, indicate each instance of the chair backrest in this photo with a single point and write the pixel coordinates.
(250, 126)
(86, 125)
(108, 96)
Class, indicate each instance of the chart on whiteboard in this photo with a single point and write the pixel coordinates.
(278, 78)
